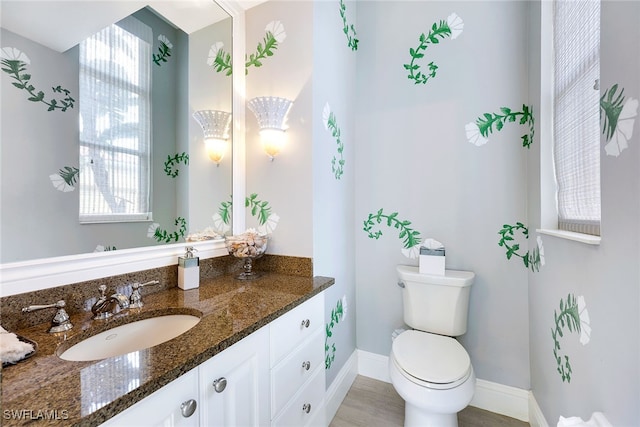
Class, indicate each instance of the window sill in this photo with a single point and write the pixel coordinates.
(570, 235)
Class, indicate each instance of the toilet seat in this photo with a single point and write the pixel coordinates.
(431, 360)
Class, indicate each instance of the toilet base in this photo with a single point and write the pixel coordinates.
(418, 417)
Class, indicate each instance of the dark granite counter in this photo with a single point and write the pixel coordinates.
(46, 390)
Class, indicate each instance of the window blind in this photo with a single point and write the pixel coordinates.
(115, 123)
(576, 39)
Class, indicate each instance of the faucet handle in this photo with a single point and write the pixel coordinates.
(135, 300)
(60, 321)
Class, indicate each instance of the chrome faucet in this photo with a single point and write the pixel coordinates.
(135, 300)
(60, 321)
(105, 306)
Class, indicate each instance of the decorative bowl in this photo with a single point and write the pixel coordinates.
(247, 246)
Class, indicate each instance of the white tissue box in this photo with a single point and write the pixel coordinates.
(431, 261)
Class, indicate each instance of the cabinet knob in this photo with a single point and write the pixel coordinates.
(305, 323)
(306, 365)
(188, 408)
(220, 384)
(306, 407)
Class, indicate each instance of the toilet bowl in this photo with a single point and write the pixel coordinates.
(434, 376)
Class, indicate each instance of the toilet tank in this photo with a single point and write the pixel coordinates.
(437, 304)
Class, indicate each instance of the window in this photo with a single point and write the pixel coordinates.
(115, 124)
(576, 109)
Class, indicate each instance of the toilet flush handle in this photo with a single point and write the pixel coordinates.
(401, 283)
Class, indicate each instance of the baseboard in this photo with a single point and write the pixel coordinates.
(373, 365)
(536, 417)
(340, 386)
(501, 399)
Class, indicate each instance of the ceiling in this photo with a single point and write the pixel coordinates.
(60, 25)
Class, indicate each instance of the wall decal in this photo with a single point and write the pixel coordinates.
(155, 232)
(171, 161)
(410, 238)
(349, 30)
(14, 63)
(268, 220)
(617, 117)
(221, 60)
(164, 50)
(66, 179)
(533, 259)
(575, 317)
(452, 27)
(330, 124)
(478, 132)
(337, 314)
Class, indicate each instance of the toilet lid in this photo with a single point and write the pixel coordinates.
(431, 358)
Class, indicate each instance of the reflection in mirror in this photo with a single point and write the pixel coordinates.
(74, 158)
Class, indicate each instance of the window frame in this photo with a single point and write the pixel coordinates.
(549, 217)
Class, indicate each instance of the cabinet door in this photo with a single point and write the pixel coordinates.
(234, 384)
(170, 406)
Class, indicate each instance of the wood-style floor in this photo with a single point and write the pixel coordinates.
(372, 403)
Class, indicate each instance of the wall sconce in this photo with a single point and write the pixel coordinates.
(215, 126)
(271, 113)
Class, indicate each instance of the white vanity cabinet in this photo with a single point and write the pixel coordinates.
(171, 406)
(234, 384)
(275, 376)
(297, 366)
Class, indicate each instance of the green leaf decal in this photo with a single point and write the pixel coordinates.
(161, 235)
(569, 317)
(409, 237)
(533, 259)
(15, 67)
(172, 161)
(348, 30)
(485, 124)
(452, 27)
(330, 350)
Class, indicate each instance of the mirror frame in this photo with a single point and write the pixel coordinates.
(28, 276)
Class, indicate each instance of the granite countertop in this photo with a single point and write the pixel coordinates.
(46, 390)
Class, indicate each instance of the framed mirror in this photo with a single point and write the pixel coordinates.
(47, 158)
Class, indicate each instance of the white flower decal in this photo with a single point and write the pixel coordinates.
(326, 112)
(151, 231)
(455, 24)
(13, 54)
(277, 29)
(60, 184)
(473, 135)
(344, 307)
(163, 39)
(624, 128)
(585, 326)
(219, 225)
(269, 225)
(213, 52)
(413, 252)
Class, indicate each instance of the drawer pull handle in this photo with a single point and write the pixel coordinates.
(188, 408)
(306, 365)
(306, 407)
(305, 323)
(220, 384)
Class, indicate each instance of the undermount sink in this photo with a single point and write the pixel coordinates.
(133, 336)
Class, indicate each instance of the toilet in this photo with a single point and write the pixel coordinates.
(429, 368)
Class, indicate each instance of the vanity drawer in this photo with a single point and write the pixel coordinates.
(292, 372)
(307, 407)
(289, 330)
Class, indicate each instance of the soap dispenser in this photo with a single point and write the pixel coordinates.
(188, 270)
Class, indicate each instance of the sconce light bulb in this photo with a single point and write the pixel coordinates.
(216, 149)
(272, 141)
